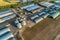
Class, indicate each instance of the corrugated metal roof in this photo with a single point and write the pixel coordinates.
(57, 2)
(34, 17)
(22, 1)
(4, 12)
(41, 13)
(4, 30)
(7, 17)
(32, 8)
(45, 15)
(47, 4)
(5, 33)
(47, 10)
(6, 36)
(24, 7)
(38, 19)
(55, 7)
(54, 14)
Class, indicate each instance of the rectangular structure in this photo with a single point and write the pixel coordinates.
(57, 3)
(6, 36)
(47, 4)
(7, 18)
(54, 14)
(22, 1)
(56, 7)
(5, 13)
(32, 8)
(36, 20)
(4, 30)
(24, 7)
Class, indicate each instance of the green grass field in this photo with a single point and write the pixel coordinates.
(4, 2)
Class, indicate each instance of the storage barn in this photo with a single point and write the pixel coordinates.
(6, 13)
(4, 30)
(32, 17)
(43, 14)
(6, 36)
(57, 3)
(35, 16)
(36, 20)
(22, 1)
(24, 7)
(54, 14)
(48, 10)
(47, 4)
(37, 10)
(56, 7)
(5, 33)
(32, 8)
(7, 18)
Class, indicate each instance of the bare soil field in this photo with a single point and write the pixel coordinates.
(47, 29)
